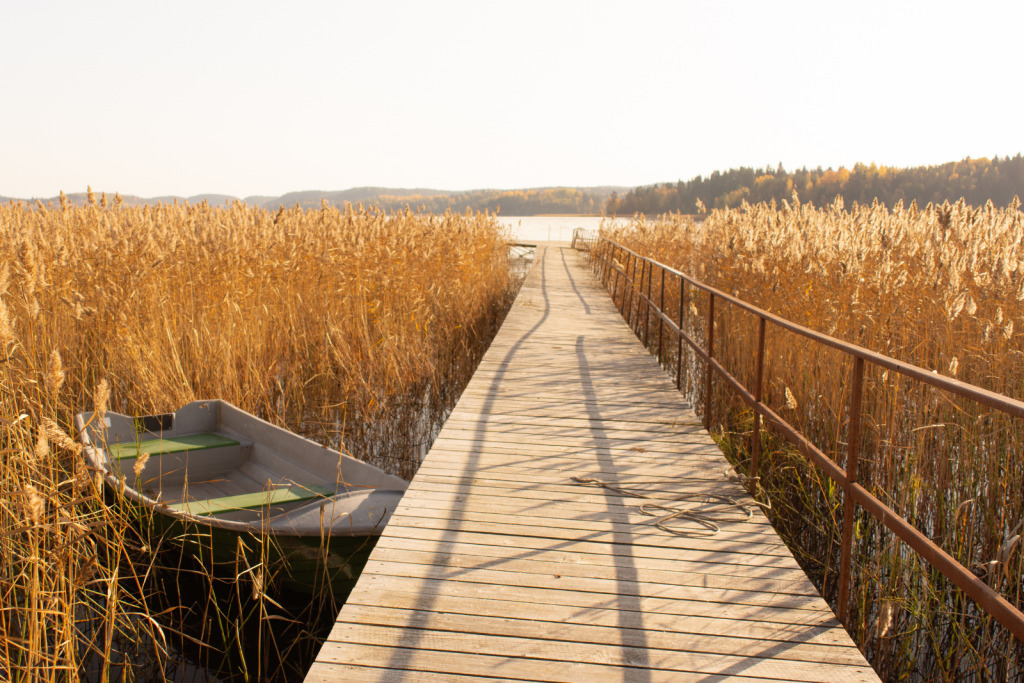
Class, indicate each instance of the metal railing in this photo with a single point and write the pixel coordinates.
(613, 261)
(582, 239)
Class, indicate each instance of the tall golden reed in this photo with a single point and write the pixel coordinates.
(940, 287)
(354, 327)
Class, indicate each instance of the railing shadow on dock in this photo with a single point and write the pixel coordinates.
(617, 267)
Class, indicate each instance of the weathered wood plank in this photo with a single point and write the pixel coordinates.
(702, 481)
(551, 552)
(632, 449)
(623, 523)
(621, 587)
(756, 663)
(818, 630)
(322, 672)
(435, 594)
(673, 425)
(413, 662)
(453, 527)
(571, 462)
(582, 547)
(594, 504)
(638, 571)
(486, 433)
(636, 635)
(513, 486)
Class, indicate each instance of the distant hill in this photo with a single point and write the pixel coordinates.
(525, 202)
(311, 199)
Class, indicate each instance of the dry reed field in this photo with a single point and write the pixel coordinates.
(940, 287)
(355, 328)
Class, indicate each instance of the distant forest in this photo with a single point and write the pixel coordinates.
(529, 202)
(976, 180)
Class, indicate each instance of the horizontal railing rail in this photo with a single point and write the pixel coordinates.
(613, 261)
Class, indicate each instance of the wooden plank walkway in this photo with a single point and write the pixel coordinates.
(498, 566)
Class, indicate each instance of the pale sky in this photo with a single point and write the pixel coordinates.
(258, 97)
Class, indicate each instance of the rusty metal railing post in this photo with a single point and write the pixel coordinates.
(682, 312)
(625, 280)
(624, 276)
(607, 262)
(615, 291)
(661, 311)
(638, 286)
(711, 354)
(852, 454)
(755, 450)
(632, 284)
(647, 303)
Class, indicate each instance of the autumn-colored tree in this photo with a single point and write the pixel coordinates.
(976, 180)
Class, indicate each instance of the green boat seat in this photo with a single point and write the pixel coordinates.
(177, 444)
(249, 501)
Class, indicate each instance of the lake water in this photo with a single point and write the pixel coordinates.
(552, 228)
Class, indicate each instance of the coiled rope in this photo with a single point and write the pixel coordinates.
(711, 510)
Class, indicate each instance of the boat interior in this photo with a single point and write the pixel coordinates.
(212, 459)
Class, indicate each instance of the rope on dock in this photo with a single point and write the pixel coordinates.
(722, 508)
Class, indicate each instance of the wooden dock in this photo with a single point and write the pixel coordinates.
(499, 565)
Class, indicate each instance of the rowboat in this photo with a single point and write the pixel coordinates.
(224, 479)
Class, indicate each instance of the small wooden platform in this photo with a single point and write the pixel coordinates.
(499, 566)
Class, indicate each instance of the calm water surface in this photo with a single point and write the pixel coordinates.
(551, 228)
